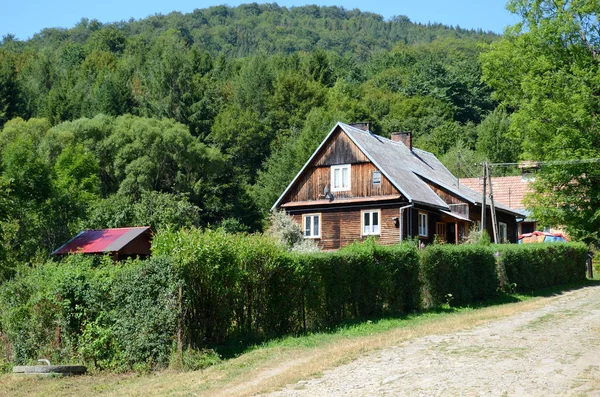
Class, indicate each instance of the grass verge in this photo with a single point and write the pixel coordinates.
(277, 363)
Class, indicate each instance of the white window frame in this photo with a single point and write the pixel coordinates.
(373, 177)
(423, 225)
(371, 231)
(341, 168)
(503, 236)
(311, 230)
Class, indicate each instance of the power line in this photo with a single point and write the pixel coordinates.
(473, 174)
(554, 162)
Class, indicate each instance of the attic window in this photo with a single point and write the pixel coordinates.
(376, 177)
(340, 178)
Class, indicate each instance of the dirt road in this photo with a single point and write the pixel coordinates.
(552, 351)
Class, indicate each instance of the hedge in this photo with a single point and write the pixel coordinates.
(201, 289)
(360, 281)
(458, 274)
(248, 287)
(534, 266)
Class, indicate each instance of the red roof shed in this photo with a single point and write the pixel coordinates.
(121, 243)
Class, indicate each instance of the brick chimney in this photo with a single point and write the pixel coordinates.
(404, 137)
(365, 126)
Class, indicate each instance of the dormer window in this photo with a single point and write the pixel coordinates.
(340, 178)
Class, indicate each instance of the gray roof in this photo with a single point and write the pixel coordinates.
(407, 170)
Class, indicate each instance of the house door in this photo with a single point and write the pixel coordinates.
(451, 233)
(440, 230)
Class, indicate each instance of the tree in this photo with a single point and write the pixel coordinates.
(9, 87)
(546, 69)
(494, 139)
(154, 209)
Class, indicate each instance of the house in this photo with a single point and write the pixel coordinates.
(358, 184)
(510, 191)
(119, 243)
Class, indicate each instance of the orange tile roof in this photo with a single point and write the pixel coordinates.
(508, 190)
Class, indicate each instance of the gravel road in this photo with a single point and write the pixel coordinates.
(551, 351)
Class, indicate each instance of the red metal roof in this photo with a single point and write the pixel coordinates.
(101, 241)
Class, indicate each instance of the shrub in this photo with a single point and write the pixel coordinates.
(535, 266)
(251, 287)
(459, 275)
(360, 281)
(86, 309)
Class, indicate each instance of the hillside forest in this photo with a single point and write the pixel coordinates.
(202, 119)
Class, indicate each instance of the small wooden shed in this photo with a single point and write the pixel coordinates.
(119, 243)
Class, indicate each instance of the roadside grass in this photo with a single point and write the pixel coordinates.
(273, 364)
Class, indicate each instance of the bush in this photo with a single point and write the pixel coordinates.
(458, 274)
(535, 266)
(86, 309)
(251, 287)
(360, 281)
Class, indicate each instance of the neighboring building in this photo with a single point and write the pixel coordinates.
(510, 191)
(119, 243)
(358, 184)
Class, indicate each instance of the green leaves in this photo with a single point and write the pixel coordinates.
(547, 71)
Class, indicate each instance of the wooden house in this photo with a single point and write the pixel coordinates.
(119, 243)
(358, 184)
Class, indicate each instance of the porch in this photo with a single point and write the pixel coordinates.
(452, 228)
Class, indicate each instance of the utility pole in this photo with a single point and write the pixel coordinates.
(483, 209)
(458, 166)
(493, 208)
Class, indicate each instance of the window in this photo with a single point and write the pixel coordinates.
(502, 232)
(376, 178)
(312, 225)
(340, 177)
(370, 222)
(440, 229)
(423, 232)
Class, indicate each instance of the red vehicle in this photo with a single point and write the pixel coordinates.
(542, 237)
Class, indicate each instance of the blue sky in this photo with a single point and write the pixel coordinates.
(26, 17)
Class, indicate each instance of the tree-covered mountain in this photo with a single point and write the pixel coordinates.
(215, 111)
(268, 28)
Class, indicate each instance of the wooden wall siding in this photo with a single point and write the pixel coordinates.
(311, 184)
(432, 219)
(448, 197)
(341, 150)
(390, 234)
(511, 222)
(342, 227)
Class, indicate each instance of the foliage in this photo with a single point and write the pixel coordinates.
(205, 288)
(546, 70)
(88, 310)
(467, 273)
(248, 286)
(225, 104)
(535, 266)
(287, 231)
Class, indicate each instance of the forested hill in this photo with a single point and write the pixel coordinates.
(204, 118)
(267, 28)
